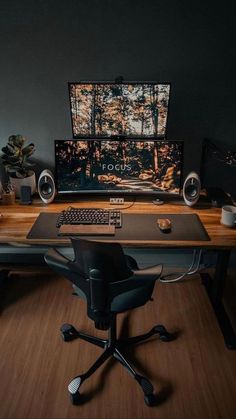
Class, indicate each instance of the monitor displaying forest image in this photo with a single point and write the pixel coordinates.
(118, 166)
(113, 109)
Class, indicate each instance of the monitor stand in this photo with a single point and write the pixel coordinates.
(158, 201)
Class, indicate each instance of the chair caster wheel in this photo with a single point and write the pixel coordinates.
(76, 398)
(167, 337)
(68, 332)
(163, 334)
(151, 400)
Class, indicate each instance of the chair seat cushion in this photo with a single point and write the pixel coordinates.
(127, 300)
(132, 299)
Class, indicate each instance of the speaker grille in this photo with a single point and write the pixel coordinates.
(191, 189)
(46, 187)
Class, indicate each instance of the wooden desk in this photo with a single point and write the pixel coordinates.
(18, 219)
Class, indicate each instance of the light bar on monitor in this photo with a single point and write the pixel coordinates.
(124, 166)
(131, 110)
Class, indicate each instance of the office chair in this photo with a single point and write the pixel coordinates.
(111, 283)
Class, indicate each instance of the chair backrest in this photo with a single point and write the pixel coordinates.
(102, 264)
(108, 258)
(107, 278)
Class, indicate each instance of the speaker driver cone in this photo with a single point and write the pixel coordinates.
(191, 189)
(46, 186)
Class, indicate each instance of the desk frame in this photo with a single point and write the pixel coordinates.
(215, 289)
(18, 219)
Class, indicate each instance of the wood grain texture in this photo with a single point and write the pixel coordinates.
(85, 229)
(195, 373)
(18, 219)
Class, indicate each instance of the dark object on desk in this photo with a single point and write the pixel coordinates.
(164, 225)
(218, 166)
(184, 227)
(110, 283)
(218, 197)
(25, 195)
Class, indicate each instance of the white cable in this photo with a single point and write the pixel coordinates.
(189, 270)
(198, 264)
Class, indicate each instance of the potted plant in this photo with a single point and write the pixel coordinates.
(15, 160)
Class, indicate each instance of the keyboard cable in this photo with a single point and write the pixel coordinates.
(121, 209)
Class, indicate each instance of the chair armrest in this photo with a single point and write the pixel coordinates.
(61, 263)
(66, 267)
(56, 260)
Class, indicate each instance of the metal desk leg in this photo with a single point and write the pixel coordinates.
(3, 284)
(215, 289)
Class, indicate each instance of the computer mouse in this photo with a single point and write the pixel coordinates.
(164, 225)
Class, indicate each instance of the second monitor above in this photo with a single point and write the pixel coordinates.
(130, 109)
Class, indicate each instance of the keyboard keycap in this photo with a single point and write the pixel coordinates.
(87, 216)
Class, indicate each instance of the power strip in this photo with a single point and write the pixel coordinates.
(117, 201)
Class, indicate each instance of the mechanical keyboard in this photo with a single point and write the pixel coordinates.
(88, 221)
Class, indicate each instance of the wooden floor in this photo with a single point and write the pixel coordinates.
(195, 374)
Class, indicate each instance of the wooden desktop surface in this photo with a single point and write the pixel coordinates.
(17, 220)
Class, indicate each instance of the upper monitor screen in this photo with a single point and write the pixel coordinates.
(124, 109)
(125, 166)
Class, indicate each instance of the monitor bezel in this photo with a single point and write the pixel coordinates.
(160, 136)
(121, 192)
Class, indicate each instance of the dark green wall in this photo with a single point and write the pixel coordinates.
(45, 44)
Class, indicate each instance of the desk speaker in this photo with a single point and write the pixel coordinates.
(46, 186)
(191, 189)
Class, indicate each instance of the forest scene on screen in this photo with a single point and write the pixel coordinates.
(138, 166)
(131, 110)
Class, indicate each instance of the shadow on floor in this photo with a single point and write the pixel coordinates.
(17, 283)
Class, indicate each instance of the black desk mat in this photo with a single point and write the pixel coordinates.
(137, 227)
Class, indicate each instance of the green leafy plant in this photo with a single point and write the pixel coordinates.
(15, 157)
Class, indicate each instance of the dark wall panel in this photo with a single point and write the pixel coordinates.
(45, 44)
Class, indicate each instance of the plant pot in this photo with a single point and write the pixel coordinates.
(26, 181)
(8, 198)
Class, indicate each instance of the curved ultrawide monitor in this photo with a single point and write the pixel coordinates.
(130, 110)
(118, 166)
